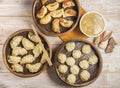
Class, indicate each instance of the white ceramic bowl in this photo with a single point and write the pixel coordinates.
(82, 19)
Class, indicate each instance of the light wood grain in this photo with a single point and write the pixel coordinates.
(16, 15)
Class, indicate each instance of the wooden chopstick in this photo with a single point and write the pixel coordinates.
(44, 51)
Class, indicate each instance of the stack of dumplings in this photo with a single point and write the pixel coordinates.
(57, 13)
(25, 51)
(71, 64)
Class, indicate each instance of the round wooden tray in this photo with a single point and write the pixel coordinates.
(94, 70)
(7, 51)
(46, 29)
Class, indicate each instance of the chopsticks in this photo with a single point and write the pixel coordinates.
(44, 51)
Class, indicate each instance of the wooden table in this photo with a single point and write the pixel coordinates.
(16, 15)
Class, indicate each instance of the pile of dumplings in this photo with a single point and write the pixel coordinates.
(70, 65)
(58, 10)
(25, 50)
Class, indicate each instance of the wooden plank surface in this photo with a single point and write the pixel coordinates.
(16, 15)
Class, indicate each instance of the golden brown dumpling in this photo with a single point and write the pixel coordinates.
(56, 26)
(14, 59)
(60, 1)
(57, 13)
(66, 23)
(69, 12)
(19, 51)
(53, 6)
(44, 1)
(32, 37)
(28, 45)
(43, 59)
(34, 67)
(17, 68)
(68, 3)
(46, 19)
(16, 41)
(27, 59)
(41, 13)
(37, 50)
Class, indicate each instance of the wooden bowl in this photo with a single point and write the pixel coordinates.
(47, 29)
(94, 70)
(7, 51)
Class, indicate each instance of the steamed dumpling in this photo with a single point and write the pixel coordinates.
(66, 23)
(56, 26)
(76, 54)
(19, 51)
(68, 3)
(57, 13)
(62, 68)
(14, 59)
(74, 69)
(16, 41)
(70, 46)
(32, 37)
(41, 13)
(70, 61)
(46, 19)
(62, 58)
(27, 59)
(17, 68)
(37, 50)
(71, 78)
(60, 1)
(86, 49)
(85, 75)
(34, 67)
(70, 12)
(84, 64)
(53, 6)
(93, 60)
(44, 1)
(28, 45)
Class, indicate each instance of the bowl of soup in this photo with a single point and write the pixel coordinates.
(92, 24)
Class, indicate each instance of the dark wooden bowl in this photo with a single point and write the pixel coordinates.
(7, 51)
(47, 29)
(94, 70)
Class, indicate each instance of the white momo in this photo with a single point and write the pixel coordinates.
(71, 78)
(62, 68)
(17, 68)
(53, 6)
(70, 46)
(84, 64)
(62, 58)
(19, 51)
(93, 60)
(70, 61)
(37, 50)
(16, 41)
(34, 67)
(84, 75)
(27, 59)
(28, 45)
(32, 37)
(74, 69)
(76, 54)
(86, 49)
(14, 59)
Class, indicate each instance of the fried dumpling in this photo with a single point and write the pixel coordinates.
(37, 50)
(27, 59)
(56, 26)
(17, 68)
(53, 6)
(57, 13)
(44, 1)
(43, 59)
(19, 51)
(28, 45)
(14, 59)
(46, 19)
(34, 67)
(60, 1)
(66, 23)
(16, 41)
(32, 37)
(41, 13)
(69, 12)
(68, 3)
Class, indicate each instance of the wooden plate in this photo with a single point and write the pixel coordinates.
(47, 29)
(7, 51)
(94, 70)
